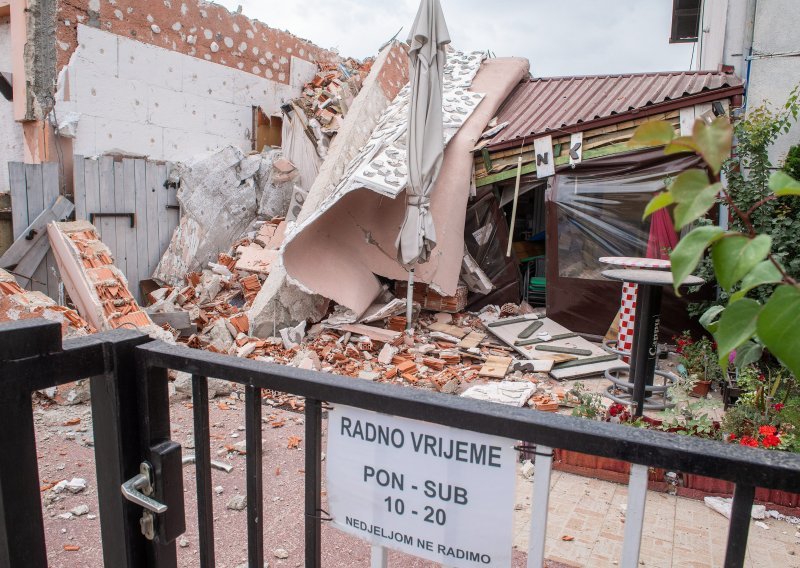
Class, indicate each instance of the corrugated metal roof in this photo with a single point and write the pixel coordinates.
(541, 105)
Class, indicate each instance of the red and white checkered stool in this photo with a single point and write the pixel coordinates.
(627, 306)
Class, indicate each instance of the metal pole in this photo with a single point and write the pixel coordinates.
(514, 208)
(410, 300)
(634, 516)
(645, 343)
(541, 496)
(379, 557)
(740, 525)
(313, 498)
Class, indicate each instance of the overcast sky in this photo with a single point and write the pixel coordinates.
(566, 37)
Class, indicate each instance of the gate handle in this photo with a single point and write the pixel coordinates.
(137, 490)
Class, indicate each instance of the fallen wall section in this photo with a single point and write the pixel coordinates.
(97, 288)
(281, 303)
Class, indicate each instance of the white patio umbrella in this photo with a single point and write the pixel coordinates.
(425, 146)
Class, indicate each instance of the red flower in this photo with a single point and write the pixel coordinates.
(762, 378)
(748, 441)
(616, 409)
(731, 437)
(767, 430)
(770, 441)
(778, 406)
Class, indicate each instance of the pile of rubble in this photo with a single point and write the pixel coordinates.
(18, 304)
(327, 97)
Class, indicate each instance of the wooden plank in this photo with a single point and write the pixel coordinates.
(79, 186)
(121, 224)
(153, 246)
(91, 168)
(374, 333)
(164, 234)
(473, 339)
(173, 213)
(28, 255)
(51, 187)
(37, 231)
(140, 190)
(19, 198)
(130, 235)
(35, 187)
(453, 330)
(560, 161)
(495, 367)
(106, 225)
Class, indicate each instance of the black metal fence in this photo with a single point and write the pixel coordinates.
(130, 407)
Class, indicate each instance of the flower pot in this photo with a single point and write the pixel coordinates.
(700, 389)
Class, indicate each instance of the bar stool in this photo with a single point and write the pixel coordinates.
(639, 389)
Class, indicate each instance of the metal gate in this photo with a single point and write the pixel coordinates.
(139, 480)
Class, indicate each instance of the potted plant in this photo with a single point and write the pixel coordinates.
(698, 363)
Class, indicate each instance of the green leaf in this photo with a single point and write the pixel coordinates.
(655, 133)
(658, 202)
(709, 318)
(736, 325)
(736, 255)
(689, 250)
(782, 184)
(764, 272)
(694, 196)
(713, 141)
(680, 145)
(747, 353)
(779, 326)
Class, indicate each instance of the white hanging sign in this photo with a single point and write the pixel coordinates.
(576, 148)
(439, 493)
(545, 164)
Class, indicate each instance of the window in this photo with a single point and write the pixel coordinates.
(266, 130)
(685, 20)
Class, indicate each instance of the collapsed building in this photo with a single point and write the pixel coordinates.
(240, 190)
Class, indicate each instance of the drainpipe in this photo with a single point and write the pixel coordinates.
(747, 45)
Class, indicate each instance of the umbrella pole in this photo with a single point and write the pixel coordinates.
(409, 300)
(514, 208)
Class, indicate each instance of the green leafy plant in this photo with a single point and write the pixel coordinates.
(699, 358)
(741, 259)
(690, 419)
(587, 404)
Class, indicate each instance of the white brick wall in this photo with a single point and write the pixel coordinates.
(144, 100)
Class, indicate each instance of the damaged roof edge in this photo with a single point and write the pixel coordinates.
(703, 96)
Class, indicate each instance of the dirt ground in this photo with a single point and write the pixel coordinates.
(64, 438)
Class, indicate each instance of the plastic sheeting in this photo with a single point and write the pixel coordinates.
(596, 210)
(599, 213)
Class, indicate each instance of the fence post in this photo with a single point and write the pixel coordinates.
(21, 526)
(116, 423)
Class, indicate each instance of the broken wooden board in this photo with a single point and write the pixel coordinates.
(473, 339)
(374, 333)
(36, 232)
(509, 333)
(453, 330)
(495, 367)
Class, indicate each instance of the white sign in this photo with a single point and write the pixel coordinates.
(576, 148)
(431, 491)
(545, 162)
